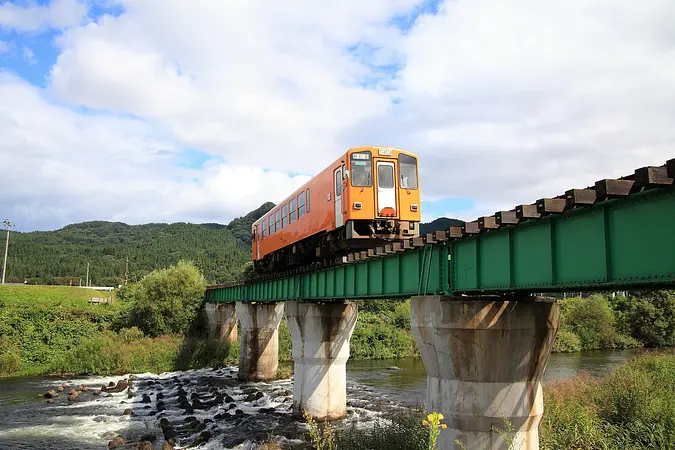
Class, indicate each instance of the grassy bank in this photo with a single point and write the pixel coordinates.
(53, 329)
(631, 408)
(39, 324)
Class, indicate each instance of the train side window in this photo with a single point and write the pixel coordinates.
(284, 216)
(277, 218)
(407, 168)
(271, 224)
(307, 203)
(361, 171)
(291, 216)
(264, 227)
(301, 205)
(338, 183)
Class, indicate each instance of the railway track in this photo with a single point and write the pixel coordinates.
(644, 178)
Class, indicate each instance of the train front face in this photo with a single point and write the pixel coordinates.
(382, 194)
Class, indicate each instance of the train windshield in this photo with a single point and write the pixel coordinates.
(407, 168)
(361, 169)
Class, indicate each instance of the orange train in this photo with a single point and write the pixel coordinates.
(367, 197)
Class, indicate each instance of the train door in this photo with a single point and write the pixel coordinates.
(386, 189)
(257, 241)
(339, 217)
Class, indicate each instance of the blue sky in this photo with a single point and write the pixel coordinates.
(155, 113)
(42, 47)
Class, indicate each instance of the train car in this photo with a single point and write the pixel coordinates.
(367, 197)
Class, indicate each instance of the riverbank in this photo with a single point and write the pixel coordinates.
(54, 330)
(91, 421)
(631, 407)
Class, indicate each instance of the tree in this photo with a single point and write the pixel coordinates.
(167, 300)
(651, 318)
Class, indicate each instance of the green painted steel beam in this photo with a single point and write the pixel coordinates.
(610, 245)
(620, 243)
(422, 271)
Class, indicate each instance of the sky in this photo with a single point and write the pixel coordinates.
(201, 110)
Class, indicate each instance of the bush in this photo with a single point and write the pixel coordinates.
(131, 334)
(567, 341)
(651, 318)
(594, 323)
(592, 320)
(633, 407)
(10, 357)
(376, 338)
(167, 300)
(109, 353)
(401, 430)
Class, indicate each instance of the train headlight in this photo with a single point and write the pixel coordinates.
(358, 205)
(414, 207)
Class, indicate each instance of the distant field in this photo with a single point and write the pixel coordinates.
(51, 296)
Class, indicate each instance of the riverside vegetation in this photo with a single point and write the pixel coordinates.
(159, 324)
(633, 407)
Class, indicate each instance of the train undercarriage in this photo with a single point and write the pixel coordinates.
(353, 236)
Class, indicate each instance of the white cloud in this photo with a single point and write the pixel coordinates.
(505, 102)
(238, 75)
(4, 47)
(30, 16)
(29, 56)
(58, 167)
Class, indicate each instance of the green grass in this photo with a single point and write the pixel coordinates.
(52, 297)
(39, 324)
(129, 352)
(633, 407)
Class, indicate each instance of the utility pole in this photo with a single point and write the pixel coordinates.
(86, 283)
(8, 224)
(126, 272)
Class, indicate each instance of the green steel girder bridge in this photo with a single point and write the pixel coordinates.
(483, 336)
(618, 234)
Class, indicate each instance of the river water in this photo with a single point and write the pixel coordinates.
(212, 406)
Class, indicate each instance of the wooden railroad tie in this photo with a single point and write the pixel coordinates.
(487, 223)
(506, 217)
(551, 205)
(580, 197)
(652, 177)
(455, 232)
(527, 212)
(470, 228)
(605, 189)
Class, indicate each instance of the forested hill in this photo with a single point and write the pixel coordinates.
(221, 251)
(442, 223)
(57, 257)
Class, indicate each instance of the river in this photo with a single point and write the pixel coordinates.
(210, 404)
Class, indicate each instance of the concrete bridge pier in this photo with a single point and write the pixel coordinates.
(484, 358)
(259, 342)
(222, 321)
(321, 334)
